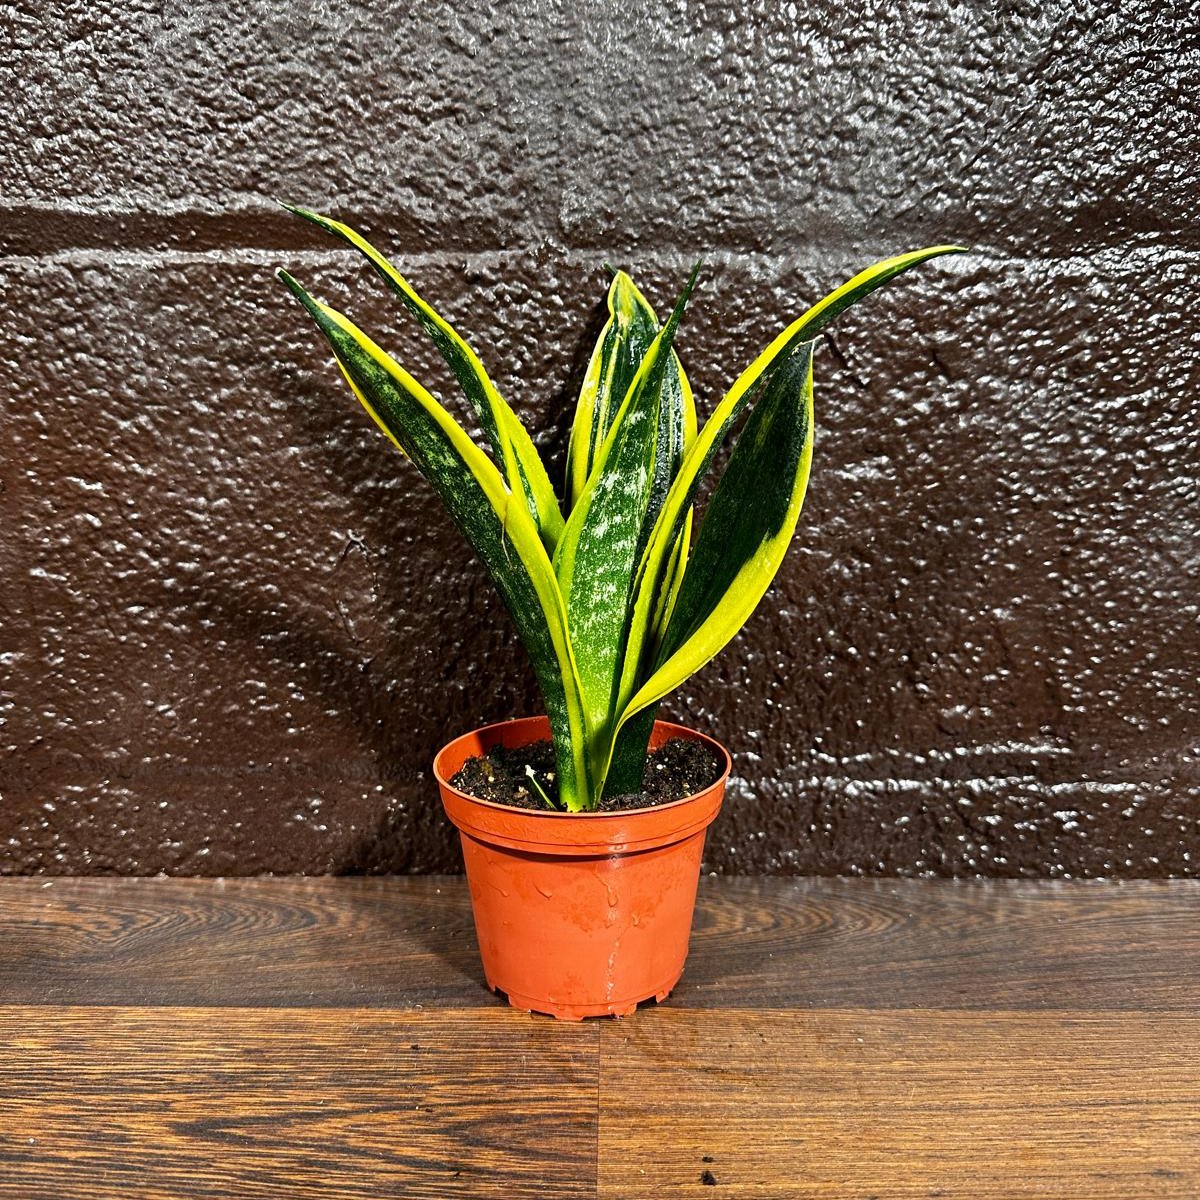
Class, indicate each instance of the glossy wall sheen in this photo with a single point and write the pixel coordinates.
(236, 626)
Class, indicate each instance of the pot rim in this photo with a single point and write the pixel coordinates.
(672, 730)
(574, 834)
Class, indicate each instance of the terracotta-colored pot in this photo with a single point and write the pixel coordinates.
(579, 914)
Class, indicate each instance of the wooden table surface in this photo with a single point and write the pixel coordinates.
(296, 1038)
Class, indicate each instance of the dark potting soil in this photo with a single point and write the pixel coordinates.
(676, 769)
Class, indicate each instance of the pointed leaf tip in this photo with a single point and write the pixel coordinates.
(295, 288)
(693, 279)
(672, 322)
(310, 303)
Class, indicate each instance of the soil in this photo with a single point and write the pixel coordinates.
(677, 769)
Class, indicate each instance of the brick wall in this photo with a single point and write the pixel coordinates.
(236, 626)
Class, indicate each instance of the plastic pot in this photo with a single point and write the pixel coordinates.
(579, 914)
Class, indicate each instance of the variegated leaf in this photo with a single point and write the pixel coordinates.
(604, 536)
(747, 527)
(500, 530)
(623, 342)
(626, 337)
(510, 441)
(655, 563)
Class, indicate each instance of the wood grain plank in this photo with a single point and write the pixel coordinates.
(759, 943)
(887, 943)
(402, 942)
(866, 1103)
(165, 1103)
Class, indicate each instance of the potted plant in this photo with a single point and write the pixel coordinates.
(582, 898)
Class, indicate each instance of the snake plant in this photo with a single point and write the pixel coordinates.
(615, 597)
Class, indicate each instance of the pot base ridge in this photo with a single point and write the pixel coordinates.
(579, 1012)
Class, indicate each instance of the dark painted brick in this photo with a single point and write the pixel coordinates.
(757, 126)
(236, 626)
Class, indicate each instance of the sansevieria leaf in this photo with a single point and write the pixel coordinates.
(747, 527)
(619, 350)
(655, 563)
(604, 536)
(623, 343)
(511, 443)
(499, 528)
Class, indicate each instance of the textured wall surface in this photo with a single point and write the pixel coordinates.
(234, 625)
